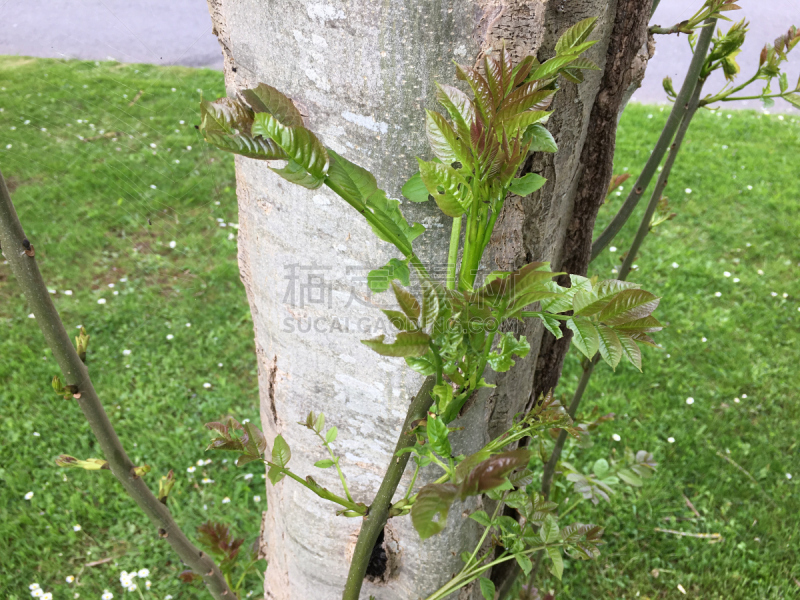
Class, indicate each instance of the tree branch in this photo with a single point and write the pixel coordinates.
(379, 509)
(23, 265)
(664, 141)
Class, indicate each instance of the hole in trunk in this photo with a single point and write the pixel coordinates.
(378, 560)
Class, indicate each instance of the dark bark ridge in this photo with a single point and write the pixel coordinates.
(627, 38)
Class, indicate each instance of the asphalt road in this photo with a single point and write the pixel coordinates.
(169, 32)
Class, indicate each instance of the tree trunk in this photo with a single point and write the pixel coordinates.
(362, 71)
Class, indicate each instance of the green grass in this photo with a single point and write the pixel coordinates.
(91, 213)
(94, 219)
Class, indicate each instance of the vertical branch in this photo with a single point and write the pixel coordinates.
(663, 179)
(673, 122)
(21, 257)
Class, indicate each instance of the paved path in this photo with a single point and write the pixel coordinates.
(167, 32)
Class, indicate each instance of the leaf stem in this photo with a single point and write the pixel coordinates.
(75, 373)
(452, 253)
(673, 122)
(336, 463)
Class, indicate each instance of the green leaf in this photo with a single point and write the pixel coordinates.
(459, 106)
(227, 124)
(299, 143)
(437, 435)
(408, 304)
(563, 302)
(265, 98)
(522, 121)
(423, 365)
(630, 349)
(554, 553)
(443, 140)
(325, 463)
(480, 517)
(527, 184)
(630, 477)
(378, 280)
(524, 563)
(610, 346)
(793, 99)
(446, 186)
(359, 188)
(548, 532)
(584, 336)
(552, 325)
(501, 360)
(487, 588)
(400, 320)
(575, 35)
(331, 435)
(281, 452)
(433, 502)
(601, 468)
(431, 302)
(541, 139)
(443, 396)
(320, 423)
(552, 66)
(407, 343)
(294, 173)
(415, 190)
(628, 305)
(275, 475)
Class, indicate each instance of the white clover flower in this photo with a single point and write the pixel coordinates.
(760, 272)
(219, 365)
(206, 385)
(70, 578)
(188, 147)
(200, 462)
(248, 476)
(170, 336)
(101, 301)
(788, 476)
(152, 187)
(744, 396)
(188, 324)
(727, 274)
(28, 496)
(671, 440)
(173, 243)
(226, 500)
(31, 316)
(126, 352)
(749, 187)
(207, 461)
(704, 339)
(36, 434)
(736, 400)
(718, 294)
(169, 596)
(690, 400)
(736, 280)
(675, 265)
(773, 294)
(688, 190)
(68, 292)
(152, 146)
(256, 498)
(191, 469)
(616, 437)
(612, 249)
(111, 285)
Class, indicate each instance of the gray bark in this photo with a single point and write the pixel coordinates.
(362, 71)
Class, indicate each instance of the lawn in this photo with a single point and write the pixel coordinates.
(134, 217)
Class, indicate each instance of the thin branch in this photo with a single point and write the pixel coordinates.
(379, 509)
(21, 258)
(663, 179)
(673, 122)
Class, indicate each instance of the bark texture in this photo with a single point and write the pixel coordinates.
(362, 71)
(626, 60)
